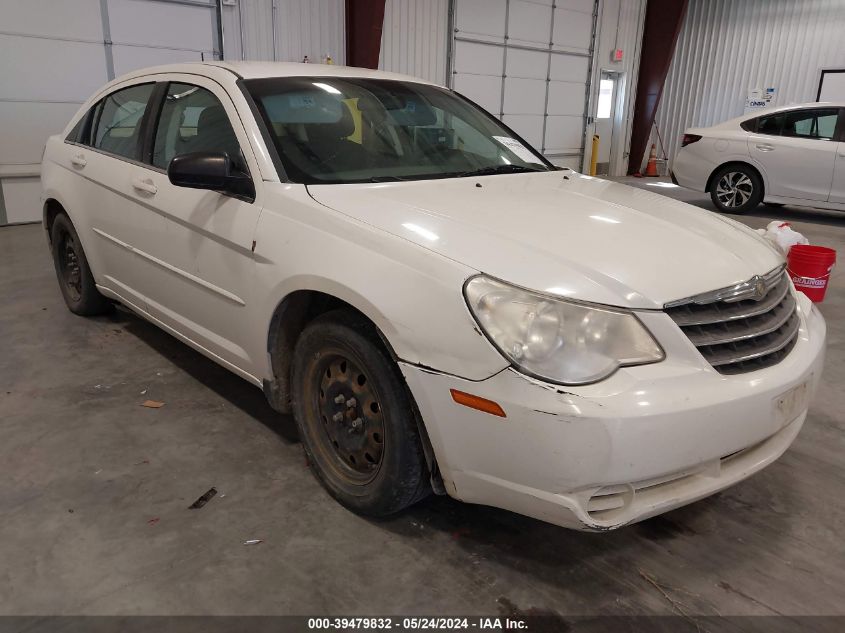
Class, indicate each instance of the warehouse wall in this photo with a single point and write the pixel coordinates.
(620, 26)
(303, 27)
(415, 38)
(416, 41)
(53, 55)
(728, 47)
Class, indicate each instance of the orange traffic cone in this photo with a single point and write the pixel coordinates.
(651, 167)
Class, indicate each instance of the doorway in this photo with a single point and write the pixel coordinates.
(605, 118)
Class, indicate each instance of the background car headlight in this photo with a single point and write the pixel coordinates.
(556, 340)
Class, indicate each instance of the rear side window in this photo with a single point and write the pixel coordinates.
(749, 126)
(193, 120)
(77, 133)
(118, 126)
(770, 125)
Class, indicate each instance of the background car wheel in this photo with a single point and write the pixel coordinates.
(75, 279)
(355, 417)
(736, 189)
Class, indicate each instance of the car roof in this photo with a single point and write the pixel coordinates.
(795, 106)
(264, 70)
(736, 121)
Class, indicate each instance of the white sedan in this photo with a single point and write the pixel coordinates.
(439, 307)
(790, 155)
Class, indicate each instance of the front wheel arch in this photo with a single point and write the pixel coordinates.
(290, 318)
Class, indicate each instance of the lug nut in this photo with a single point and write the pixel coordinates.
(351, 402)
(339, 399)
(357, 423)
(337, 417)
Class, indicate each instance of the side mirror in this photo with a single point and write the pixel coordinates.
(209, 170)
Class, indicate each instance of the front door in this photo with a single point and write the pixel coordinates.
(206, 269)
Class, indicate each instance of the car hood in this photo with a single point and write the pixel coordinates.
(565, 234)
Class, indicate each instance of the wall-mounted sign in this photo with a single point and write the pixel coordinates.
(758, 98)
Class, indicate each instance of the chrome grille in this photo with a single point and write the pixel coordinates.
(742, 328)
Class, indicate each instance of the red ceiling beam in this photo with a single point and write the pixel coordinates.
(364, 20)
(663, 20)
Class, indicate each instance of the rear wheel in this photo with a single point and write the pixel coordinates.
(736, 189)
(355, 417)
(75, 279)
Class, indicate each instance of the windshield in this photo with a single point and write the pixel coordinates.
(331, 130)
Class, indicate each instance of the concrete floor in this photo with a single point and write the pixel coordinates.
(95, 490)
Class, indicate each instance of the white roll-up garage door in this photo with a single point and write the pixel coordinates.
(53, 55)
(528, 62)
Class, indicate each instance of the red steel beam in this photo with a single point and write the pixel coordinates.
(364, 20)
(663, 20)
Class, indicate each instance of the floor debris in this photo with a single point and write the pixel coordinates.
(254, 541)
(196, 505)
(153, 521)
(152, 404)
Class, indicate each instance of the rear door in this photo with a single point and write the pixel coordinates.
(205, 279)
(105, 160)
(797, 150)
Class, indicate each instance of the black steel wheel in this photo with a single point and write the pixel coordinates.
(74, 275)
(355, 417)
(736, 189)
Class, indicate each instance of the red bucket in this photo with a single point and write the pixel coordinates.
(809, 267)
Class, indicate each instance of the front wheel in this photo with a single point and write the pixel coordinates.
(736, 189)
(355, 417)
(75, 279)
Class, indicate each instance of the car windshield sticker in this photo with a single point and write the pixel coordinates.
(519, 149)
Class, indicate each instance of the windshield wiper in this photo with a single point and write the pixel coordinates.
(387, 179)
(498, 169)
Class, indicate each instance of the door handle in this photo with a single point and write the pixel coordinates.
(147, 186)
(765, 147)
(78, 160)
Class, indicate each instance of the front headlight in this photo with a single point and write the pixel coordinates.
(556, 340)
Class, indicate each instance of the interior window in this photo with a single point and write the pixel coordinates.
(193, 120)
(818, 123)
(119, 122)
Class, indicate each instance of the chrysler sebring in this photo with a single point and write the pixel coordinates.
(439, 307)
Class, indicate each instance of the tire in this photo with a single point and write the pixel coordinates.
(736, 189)
(774, 205)
(367, 455)
(74, 275)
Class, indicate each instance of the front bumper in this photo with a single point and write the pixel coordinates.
(646, 440)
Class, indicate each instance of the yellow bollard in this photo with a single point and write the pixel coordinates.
(594, 157)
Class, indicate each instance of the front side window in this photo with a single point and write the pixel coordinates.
(118, 127)
(331, 130)
(193, 120)
(817, 123)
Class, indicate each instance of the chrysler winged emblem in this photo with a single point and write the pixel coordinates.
(759, 287)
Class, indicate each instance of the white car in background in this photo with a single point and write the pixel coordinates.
(789, 155)
(438, 306)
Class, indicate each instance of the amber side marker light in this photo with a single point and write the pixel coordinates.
(477, 402)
